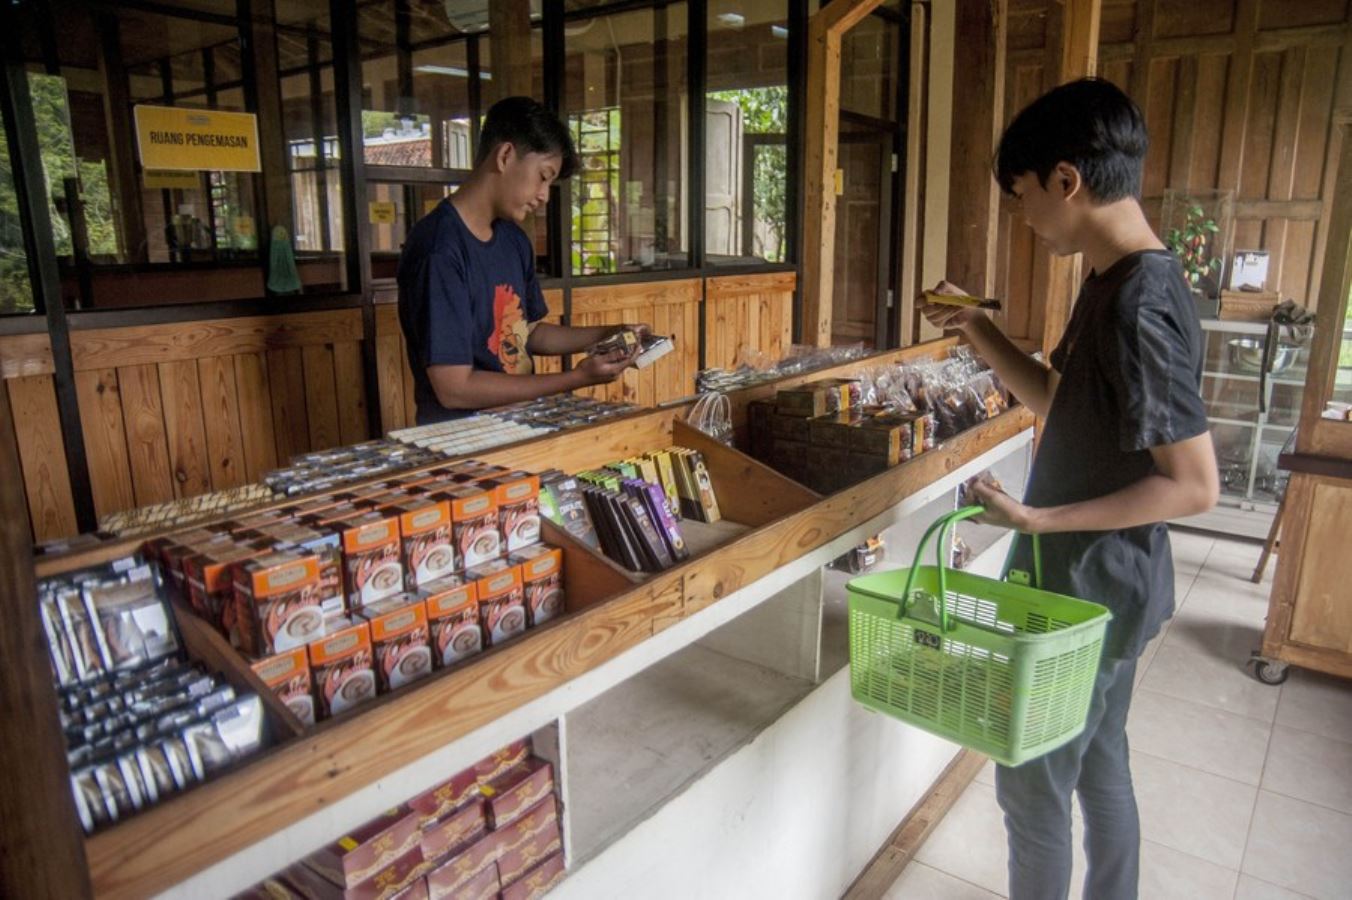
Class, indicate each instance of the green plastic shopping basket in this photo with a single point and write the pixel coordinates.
(997, 666)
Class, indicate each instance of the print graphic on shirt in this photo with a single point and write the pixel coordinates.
(510, 331)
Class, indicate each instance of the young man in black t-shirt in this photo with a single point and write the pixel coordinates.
(469, 304)
(1125, 447)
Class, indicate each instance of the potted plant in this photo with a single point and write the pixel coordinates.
(1191, 243)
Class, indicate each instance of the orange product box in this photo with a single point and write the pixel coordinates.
(287, 674)
(453, 794)
(512, 793)
(471, 873)
(518, 496)
(324, 544)
(518, 854)
(504, 760)
(399, 640)
(442, 838)
(341, 665)
(538, 881)
(173, 551)
(329, 515)
(427, 537)
(454, 629)
(210, 577)
(474, 523)
(371, 567)
(277, 602)
(502, 600)
(364, 851)
(542, 580)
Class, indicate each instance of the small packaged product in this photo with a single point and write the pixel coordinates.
(542, 581)
(363, 853)
(278, 602)
(455, 630)
(454, 794)
(427, 540)
(342, 667)
(399, 640)
(502, 608)
(474, 517)
(508, 796)
(287, 674)
(135, 623)
(517, 495)
(472, 873)
(230, 734)
(441, 838)
(372, 566)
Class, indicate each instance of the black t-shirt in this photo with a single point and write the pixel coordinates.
(465, 302)
(1131, 370)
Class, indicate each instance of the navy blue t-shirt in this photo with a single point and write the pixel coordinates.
(1131, 372)
(465, 302)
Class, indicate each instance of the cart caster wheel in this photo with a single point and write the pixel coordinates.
(1270, 671)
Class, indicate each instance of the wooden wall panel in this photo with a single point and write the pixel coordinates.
(290, 422)
(390, 368)
(147, 443)
(257, 434)
(105, 439)
(350, 391)
(42, 455)
(220, 416)
(554, 301)
(746, 316)
(321, 402)
(25, 354)
(181, 393)
(673, 304)
(1239, 94)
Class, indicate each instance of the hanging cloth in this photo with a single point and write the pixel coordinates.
(283, 277)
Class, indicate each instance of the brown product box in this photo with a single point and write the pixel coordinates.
(502, 600)
(817, 398)
(833, 429)
(209, 577)
(333, 514)
(518, 496)
(288, 675)
(399, 640)
(503, 761)
(515, 861)
(454, 629)
(512, 793)
(542, 580)
(451, 795)
(759, 427)
(474, 522)
(368, 849)
(789, 428)
(324, 543)
(306, 882)
(828, 466)
(882, 437)
(273, 888)
(174, 551)
(342, 667)
(467, 874)
(538, 881)
(866, 466)
(371, 567)
(442, 838)
(415, 891)
(427, 540)
(790, 458)
(392, 880)
(277, 602)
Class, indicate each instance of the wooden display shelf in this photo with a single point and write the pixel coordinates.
(188, 834)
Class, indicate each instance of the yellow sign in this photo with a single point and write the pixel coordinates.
(244, 226)
(197, 139)
(157, 179)
(383, 212)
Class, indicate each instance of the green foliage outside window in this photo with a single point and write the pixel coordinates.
(766, 111)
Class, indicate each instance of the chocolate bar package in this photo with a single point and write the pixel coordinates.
(561, 502)
(669, 530)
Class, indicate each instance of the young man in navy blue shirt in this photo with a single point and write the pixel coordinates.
(469, 303)
(1125, 447)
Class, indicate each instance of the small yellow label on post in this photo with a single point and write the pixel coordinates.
(840, 182)
(383, 212)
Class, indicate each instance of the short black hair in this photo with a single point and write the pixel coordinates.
(1088, 123)
(530, 128)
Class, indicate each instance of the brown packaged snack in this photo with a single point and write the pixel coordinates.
(371, 566)
(817, 398)
(509, 795)
(789, 428)
(447, 797)
(365, 851)
(502, 600)
(427, 540)
(501, 762)
(518, 496)
(866, 466)
(474, 522)
(341, 665)
(399, 640)
(542, 579)
(518, 856)
(833, 429)
(538, 881)
(209, 578)
(288, 675)
(277, 602)
(440, 839)
(830, 465)
(471, 873)
(454, 628)
(390, 881)
(415, 891)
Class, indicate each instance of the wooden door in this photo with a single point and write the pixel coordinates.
(722, 178)
(862, 257)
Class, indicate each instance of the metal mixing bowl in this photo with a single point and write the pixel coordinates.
(1246, 355)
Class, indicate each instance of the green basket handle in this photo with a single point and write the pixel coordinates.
(943, 525)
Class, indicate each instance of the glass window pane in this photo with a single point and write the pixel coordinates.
(625, 86)
(868, 68)
(16, 292)
(537, 226)
(746, 121)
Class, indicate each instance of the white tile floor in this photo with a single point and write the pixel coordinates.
(1245, 790)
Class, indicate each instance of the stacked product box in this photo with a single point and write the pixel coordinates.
(509, 424)
(493, 830)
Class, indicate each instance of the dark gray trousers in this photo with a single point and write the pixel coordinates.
(1036, 799)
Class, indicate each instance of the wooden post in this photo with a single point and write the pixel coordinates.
(271, 133)
(912, 226)
(121, 140)
(825, 29)
(974, 201)
(509, 31)
(1078, 59)
(41, 847)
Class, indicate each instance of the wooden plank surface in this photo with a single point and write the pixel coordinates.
(602, 298)
(350, 393)
(147, 443)
(43, 456)
(181, 393)
(747, 317)
(257, 436)
(220, 416)
(321, 401)
(105, 439)
(165, 844)
(99, 348)
(25, 354)
(43, 852)
(290, 423)
(390, 377)
(1321, 616)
